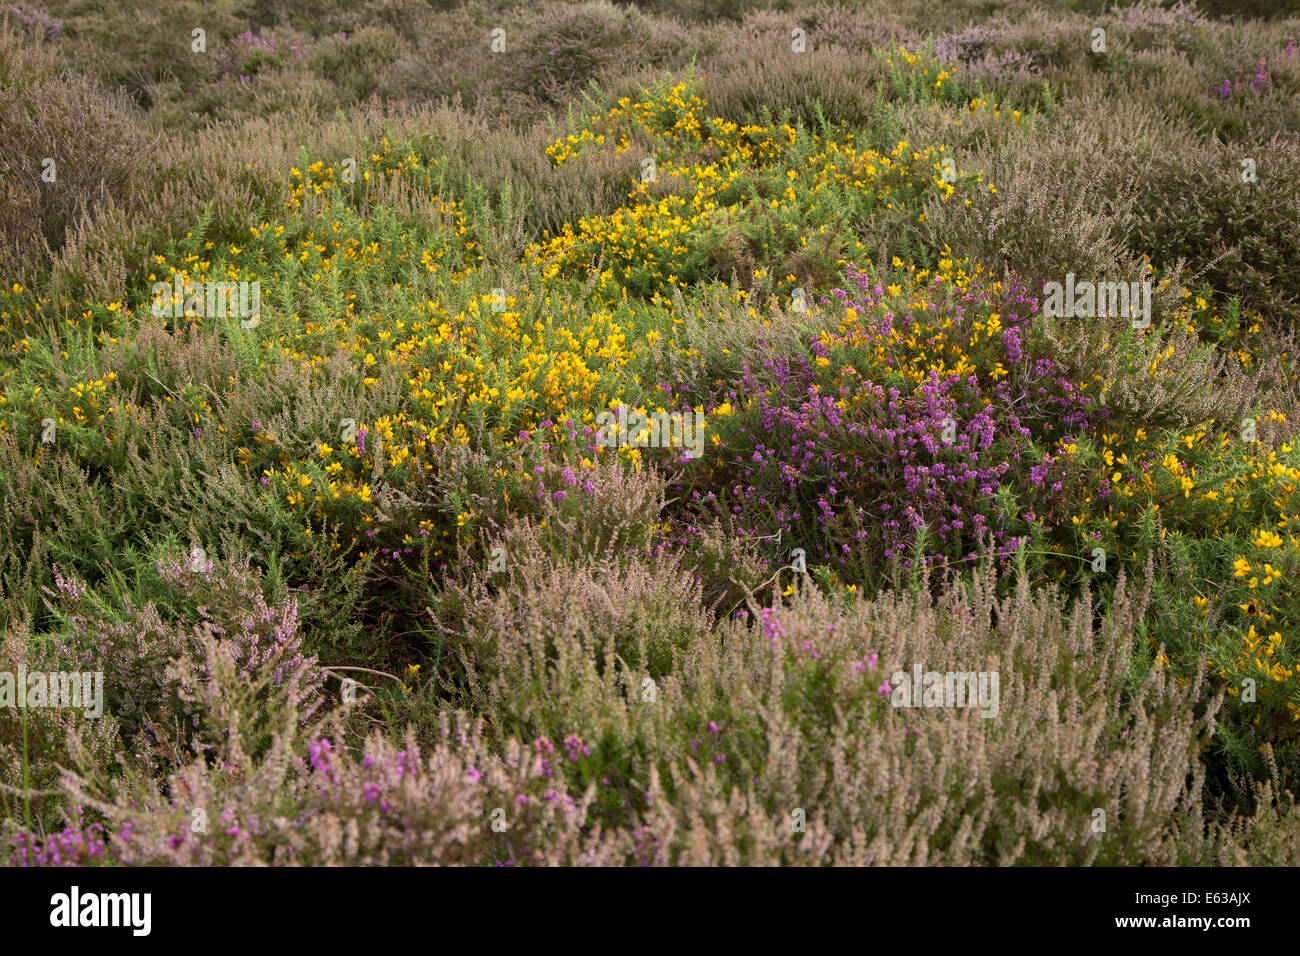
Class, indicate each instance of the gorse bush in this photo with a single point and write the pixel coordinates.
(584, 433)
(738, 211)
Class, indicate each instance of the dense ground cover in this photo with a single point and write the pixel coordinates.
(621, 412)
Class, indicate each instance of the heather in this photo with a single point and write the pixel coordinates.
(623, 417)
(943, 438)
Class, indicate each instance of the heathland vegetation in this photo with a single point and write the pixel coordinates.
(613, 405)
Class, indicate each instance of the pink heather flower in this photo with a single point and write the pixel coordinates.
(1261, 77)
(576, 747)
(771, 626)
(885, 689)
(319, 751)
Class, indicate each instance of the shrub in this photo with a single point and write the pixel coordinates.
(46, 114)
(787, 711)
(757, 81)
(566, 46)
(932, 448)
(35, 742)
(1240, 236)
(134, 44)
(1057, 199)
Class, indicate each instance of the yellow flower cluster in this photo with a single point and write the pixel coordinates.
(930, 343)
(707, 183)
(465, 366)
(1204, 487)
